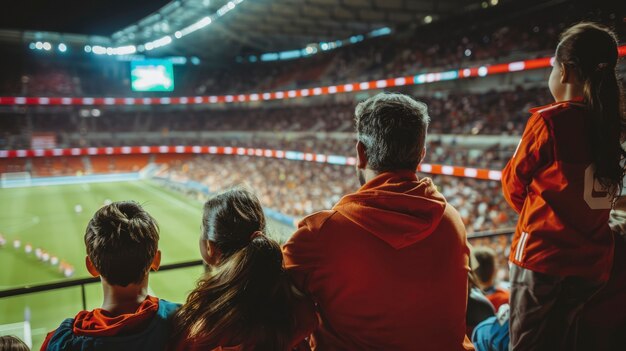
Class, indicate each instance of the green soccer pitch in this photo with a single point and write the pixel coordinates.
(46, 218)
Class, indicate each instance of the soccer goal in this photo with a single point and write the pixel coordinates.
(15, 179)
(21, 330)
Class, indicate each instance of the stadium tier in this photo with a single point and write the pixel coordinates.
(132, 127)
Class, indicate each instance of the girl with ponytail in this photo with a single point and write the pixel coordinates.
(563, 180)
(245, 301)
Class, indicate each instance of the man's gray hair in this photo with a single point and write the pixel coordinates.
(392, 128)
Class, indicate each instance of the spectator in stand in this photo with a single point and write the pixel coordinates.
(246, 301)
(12, 343)
(492, 334)
(563, 180)
(479, 307)
(378, 262)
(122, 247)
(485, 273)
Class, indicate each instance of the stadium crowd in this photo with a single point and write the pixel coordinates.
(383, 259)
(489, 113)
(477, 39)
(299, 188)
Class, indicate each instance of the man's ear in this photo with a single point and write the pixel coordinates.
(156, 262)
(91, 268)
(423, 154)
(361, 156)
(565, 74)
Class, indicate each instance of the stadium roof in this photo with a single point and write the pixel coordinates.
(254, 26)
(278, 25)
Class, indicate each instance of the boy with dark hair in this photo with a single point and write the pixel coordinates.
(122, 246)
(486, 274)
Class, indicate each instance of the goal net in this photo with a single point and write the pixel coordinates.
(15, 179)
(21, 330)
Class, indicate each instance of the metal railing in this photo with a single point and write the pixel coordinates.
(30, 289)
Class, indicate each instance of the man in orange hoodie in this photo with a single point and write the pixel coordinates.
(388, 265)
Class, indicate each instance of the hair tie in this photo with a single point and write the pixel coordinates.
(256, 234)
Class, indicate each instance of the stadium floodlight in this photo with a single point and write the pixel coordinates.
(62, 47)
(158, 43)
(226, 8)
(163, 27)
(87, 48)
(39, 45)
(47, 46)
(123, 50)
(32, 46)
(428, 19)
(494, 2)
(98, 50)
(205, 21)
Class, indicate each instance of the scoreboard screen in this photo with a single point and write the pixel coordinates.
(152, 75)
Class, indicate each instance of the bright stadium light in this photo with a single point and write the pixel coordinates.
(428, 19)
(494, 2)
(62, 47)
(158, 43)
(205, 21)
(39, 45)
(32, 46)
(99, 50)
(160, 27)
(47, 46)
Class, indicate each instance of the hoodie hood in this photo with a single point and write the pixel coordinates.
(396, 207)
(100, 322)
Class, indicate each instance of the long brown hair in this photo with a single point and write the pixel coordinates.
(247, 299)
(591, 51)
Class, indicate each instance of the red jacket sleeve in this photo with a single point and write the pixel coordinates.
(533, 153)
(303, 251)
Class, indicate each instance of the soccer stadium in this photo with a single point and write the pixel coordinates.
(170, 103)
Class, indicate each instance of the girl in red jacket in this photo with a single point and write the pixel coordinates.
(562, 180)
(245, 301)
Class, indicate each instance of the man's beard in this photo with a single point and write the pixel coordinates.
(361, 174)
